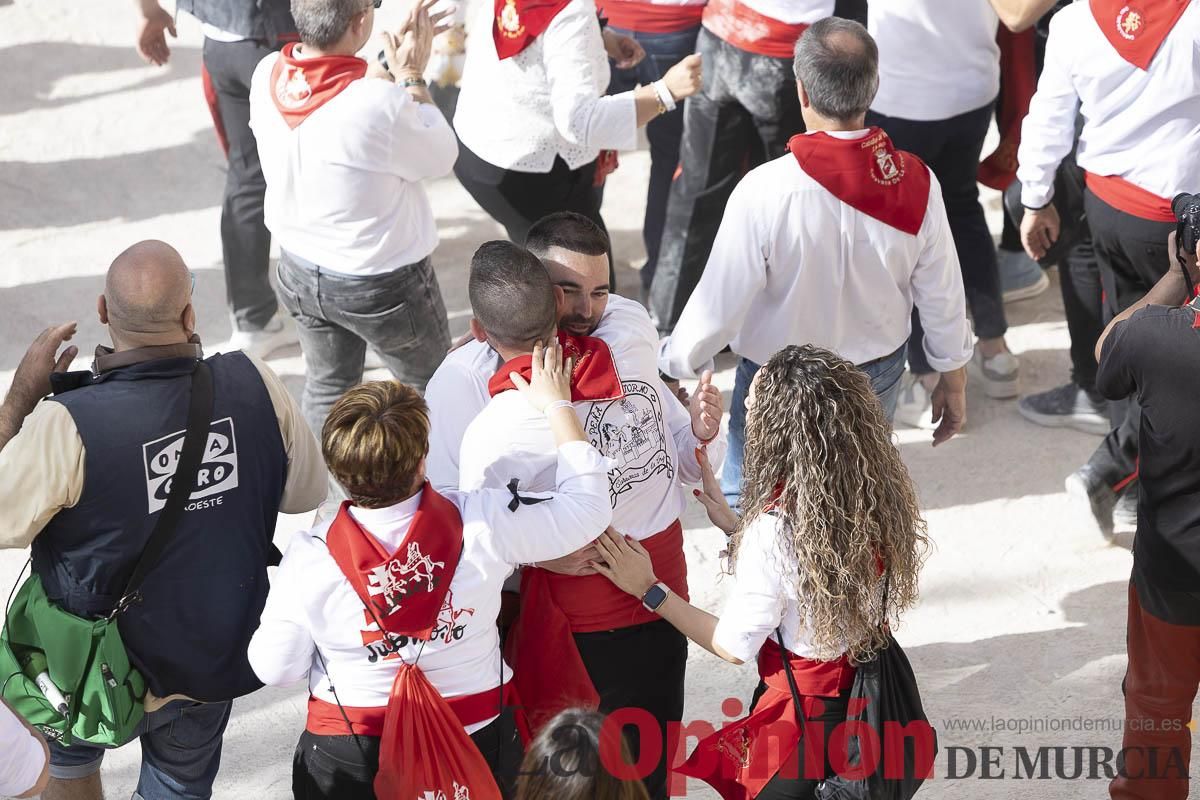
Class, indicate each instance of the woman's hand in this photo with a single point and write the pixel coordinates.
(705, 408)
(550, 379)
(626, 563)
(712, 498)
(685, 78)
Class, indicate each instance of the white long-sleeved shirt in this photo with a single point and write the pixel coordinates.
(546, 101)
(793, 264)
(937, 58)
(1139, 125)
(312, 607)
(344, 187)
(647, 434)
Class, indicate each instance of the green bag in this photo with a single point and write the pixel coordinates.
(100, 694)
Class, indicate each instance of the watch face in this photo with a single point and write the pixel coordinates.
(654, 597)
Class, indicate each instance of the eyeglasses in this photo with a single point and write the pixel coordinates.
(193, 275)
(375, 3)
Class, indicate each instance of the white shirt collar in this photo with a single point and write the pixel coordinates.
(382, 518)
(844, 134)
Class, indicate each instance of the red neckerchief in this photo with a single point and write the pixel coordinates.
(1137, 28)
(595, 376)
(299, 86)
(519, 22)
(868, 174)
(405, 590)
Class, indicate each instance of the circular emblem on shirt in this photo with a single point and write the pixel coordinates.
(885, 168)
(509, 20)
(1130, 22)
(292, 88)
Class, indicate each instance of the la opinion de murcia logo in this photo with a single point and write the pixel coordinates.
(1130, 22)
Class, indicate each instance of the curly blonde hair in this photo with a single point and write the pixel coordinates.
(819, 456)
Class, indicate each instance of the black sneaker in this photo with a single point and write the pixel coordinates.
(1066, 406)
(1125, 511)
(1094, 499)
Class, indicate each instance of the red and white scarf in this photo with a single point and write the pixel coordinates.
(299, 86)
(868, 174)
(594, 377)
(404, 590)
(519, 22)
(1137, 28)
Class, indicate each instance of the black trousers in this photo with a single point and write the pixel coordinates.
(743, 115)
(951, 148)
(341, 768)
(639, 667)
(782, 787)
(1132, 254)
(245, 241)
(518, 199)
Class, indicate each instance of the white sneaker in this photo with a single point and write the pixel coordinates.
(998, 374)
(279, 332)
(914, 405)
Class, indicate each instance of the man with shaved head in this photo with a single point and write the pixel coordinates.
(87, 472)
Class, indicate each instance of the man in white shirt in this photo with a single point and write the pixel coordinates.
(577, 642)
(1119, 65)
(939, 76)
(833, 244)
(743, 114)
(24, 758)
(344, 148)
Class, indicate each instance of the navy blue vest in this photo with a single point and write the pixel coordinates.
(203, 600)
(268, 21)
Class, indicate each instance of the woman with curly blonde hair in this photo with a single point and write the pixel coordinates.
(831, 516)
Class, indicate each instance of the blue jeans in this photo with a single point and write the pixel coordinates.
(663, 51)
(885, 380)
(181, 752)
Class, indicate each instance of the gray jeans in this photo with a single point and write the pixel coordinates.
(400, 314)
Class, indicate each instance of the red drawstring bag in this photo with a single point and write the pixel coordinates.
(419, 723)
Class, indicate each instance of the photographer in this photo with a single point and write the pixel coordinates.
(1151, 352)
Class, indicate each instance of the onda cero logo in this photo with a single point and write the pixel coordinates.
(218, 466)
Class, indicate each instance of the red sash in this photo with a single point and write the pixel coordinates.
(868, 174)
(325, 719)
(642, 17)
(547, 668)
(299, 86)
(746, 29)
(519, 22)
(595, 376)
(1125, 196)
(1017, 62)
(1137, 28)
(741, 758)
(405, 590)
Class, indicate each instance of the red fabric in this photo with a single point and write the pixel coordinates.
(743, 757)
(1125, 196)
(405, 589)
(519, 22)
(868, 174)
(424, 751)
(641, 17)
(547, 668)
(301, 86)
(746, 29)
(210, 98)
(1018, 64)
(325, 719)
(594, 378)
(1137, 28)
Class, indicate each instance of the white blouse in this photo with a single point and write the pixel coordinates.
(546, 101)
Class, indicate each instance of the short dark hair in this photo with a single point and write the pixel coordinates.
(511, 295)
(321, 23)
(837, 63)
(564, 761)
(567, 230)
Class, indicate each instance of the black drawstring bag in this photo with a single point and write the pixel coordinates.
(892, 703)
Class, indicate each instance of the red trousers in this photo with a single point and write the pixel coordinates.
(1160, 685)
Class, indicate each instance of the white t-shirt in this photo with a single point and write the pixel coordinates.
(456, 394)
(22, 758)
(313, 607)
(344, 186)
(793, 264)
(763, 596)
(647, 434)
(937, 58)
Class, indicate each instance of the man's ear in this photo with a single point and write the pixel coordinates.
(560, 297)
(804, 101)
(477, 330)
(102, 309)
(188, 320)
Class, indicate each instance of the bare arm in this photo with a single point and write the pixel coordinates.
(1018, 15)
(1171, 290)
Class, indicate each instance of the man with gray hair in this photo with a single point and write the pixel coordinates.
(832, 244)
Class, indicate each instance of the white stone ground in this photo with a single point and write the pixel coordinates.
(1022, 612)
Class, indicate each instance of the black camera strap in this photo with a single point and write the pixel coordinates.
(183, 483)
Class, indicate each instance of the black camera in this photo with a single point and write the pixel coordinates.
(1186, 208)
